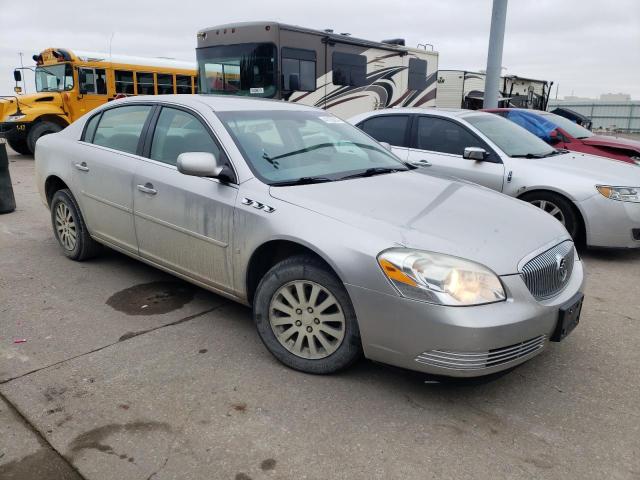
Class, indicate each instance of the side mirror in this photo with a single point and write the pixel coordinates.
(199, 164)
(83, 90)
(17, 75)
(475, 153)
(294, 82)
(555, 137)
(385, 145)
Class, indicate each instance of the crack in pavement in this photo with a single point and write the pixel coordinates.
(124, 338)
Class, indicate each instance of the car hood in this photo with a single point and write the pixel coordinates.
(597, 170)
(436, 214)
(613, 142)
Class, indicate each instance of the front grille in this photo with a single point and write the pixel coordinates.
(547, 274)
(481, 360)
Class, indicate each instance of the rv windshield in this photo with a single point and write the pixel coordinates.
(244, 69)
(54, 78)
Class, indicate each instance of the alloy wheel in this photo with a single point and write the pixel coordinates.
(307, 319)
(66, 227)
(551, 208)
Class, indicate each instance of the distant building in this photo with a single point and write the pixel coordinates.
(574, 98)
(615, 97)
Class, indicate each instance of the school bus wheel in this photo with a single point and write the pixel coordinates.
(43, 127)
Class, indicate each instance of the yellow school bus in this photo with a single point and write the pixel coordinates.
(71, 83)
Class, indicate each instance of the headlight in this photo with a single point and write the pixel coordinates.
(441, 279)
(15, 118)
(623, 194)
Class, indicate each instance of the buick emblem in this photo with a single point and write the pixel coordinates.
(561, 267)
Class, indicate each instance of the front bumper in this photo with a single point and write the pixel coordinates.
(610, 223)
(406, 333)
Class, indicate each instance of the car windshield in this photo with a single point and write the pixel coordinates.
(244, 69)
(512, 139)
(285, 147)
(54, 78)
(572, 128)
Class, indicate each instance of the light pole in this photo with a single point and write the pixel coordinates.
(494, 55)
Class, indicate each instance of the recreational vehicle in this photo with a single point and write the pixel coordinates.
(463, 89)
(337, 72)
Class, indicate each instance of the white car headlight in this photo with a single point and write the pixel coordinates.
(439, 278)
(622, 194)
(15, 118)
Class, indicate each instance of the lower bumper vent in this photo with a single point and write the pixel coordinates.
(481, 360)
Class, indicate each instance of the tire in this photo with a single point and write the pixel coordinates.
(557, 206)
(38, 130)
(19, 145)
(69, 227)
(323, 341)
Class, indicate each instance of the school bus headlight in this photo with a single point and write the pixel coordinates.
(15, 118)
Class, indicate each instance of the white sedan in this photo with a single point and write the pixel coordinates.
(596, 199)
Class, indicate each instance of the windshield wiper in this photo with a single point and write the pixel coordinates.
(370, 172)
(301, 181)
(538, 155)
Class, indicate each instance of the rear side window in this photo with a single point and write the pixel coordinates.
(183, 84)
(417, 74)
(298, 69)
(90, 128)
(178, 132)
(120, 127)
(124, 82)
(439, 135)
(165, 84)
(349, 69)
(388, 128)
(145, 83)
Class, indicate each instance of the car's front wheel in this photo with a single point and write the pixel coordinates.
(558, 207)
(305, 318)
(69, 227)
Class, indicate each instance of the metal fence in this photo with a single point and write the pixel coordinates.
(610, 116)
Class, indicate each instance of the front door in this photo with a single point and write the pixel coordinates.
(184, 222)
(103, 169)
(441, 142)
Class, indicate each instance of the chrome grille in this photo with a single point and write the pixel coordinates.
(481, 360)
(548, 273)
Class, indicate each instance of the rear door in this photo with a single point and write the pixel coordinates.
(393, 129)
(103, 172)
(183, 222)
(441, 143)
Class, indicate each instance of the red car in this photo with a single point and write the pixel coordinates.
(563, 133)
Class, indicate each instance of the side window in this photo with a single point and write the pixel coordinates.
(388, 128)
(165, 83)
(101, 81)
(124, 82)
(298, 69)
(183, 84)
(195, 85)
(444, 136)
(177, 132)
(120, 127)
(349, 69)
(145, 83)
(90, 128)
(417, 74)
(87, 80)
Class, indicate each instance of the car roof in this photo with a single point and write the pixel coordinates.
(219, 103)
(439, 112)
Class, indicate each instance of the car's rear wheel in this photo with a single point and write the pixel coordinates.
(305, 318)
(69, 227)
(40, 129)
(19, 145)
(558, 207)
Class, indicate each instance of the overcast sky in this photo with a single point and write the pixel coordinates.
(588, 47)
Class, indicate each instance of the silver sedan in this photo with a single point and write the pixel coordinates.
(596, 199)
(341, 248)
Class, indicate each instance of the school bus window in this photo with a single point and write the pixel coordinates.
(145, 83)
(195, 85)
(165, 84)
(101, 81)
(93, 81)
(54, 78)
(124, 82)
(183, 84)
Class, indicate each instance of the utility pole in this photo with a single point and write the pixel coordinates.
(494, 55)
(24, 83)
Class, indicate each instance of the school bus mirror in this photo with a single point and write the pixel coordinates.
(17, 89)
(17, 75)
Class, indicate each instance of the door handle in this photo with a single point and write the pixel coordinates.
(147, 188)
(82, 166)
(421, 163)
